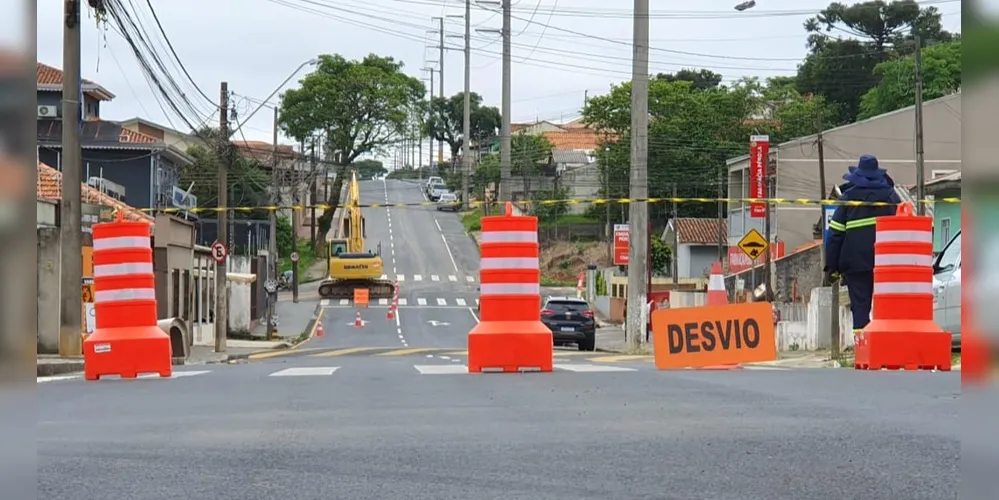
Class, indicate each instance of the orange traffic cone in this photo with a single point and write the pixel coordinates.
(716, 286)
(358, 322)
(319, 331)
(391, 314)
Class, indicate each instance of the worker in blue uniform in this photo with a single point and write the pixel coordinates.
(850, 249)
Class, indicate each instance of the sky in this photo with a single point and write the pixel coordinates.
(562, 50)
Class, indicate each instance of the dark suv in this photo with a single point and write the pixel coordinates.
(571, 322)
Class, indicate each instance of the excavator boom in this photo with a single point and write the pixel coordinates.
(351, 265)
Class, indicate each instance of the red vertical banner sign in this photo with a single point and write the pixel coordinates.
(622, 233)
(759, 154)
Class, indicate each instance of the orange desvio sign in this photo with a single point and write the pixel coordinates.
(695, 337)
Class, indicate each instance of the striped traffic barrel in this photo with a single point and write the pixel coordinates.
(124, 284)
(902, 333)
(509, 271)
(903, 267)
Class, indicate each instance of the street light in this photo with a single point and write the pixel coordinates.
(745, 5)
(310, 62)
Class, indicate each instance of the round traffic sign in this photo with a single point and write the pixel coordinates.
(294, 256)
(219, 252)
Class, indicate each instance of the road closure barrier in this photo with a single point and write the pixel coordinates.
(902, 333)
(709, 337)
(510, 336)
(560, 202)
(127, 340)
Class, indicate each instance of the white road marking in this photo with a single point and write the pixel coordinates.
(403, 301)
(383, 277)
(470, 279)
(460, 301)
(473, 314)
(476, 301)
(446, 246)
(587, 368)
(434, 277)
(383, 302)
(441, 302)
(417, 277)
(452, 278)
(400, 277)
(305, 371)
(56, 378)
(176, 374)
(421, 301)
(324, 302)
(441, 369)
(344, 302)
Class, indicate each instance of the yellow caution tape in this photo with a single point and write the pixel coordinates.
(591, 201)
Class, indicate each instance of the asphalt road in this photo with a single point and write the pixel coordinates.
(336, 419)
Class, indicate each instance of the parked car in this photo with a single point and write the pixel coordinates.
(448, 201)
(431, 182)
(438, 191)
(947, 290)
(571, 322)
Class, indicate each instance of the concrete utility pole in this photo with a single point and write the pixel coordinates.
(675, 264)
(466, 119)
(431, 70)
(506, 166)
(296, 187)
(638, 213)
(440, 143)
(70, 211)
(771, 178)
(272, 250)
(722, 182)
(920, 175)
(221, 270)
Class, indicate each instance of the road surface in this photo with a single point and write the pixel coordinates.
(385, 411)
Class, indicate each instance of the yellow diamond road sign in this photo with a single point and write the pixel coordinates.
(753, 244)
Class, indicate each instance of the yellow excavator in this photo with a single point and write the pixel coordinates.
(351, 266)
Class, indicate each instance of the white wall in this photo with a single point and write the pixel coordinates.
(239, 293)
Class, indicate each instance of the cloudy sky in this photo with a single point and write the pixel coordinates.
(562, 49)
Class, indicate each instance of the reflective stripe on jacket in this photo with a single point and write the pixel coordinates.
(851, 240)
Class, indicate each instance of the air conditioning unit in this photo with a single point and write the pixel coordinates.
(48, 112)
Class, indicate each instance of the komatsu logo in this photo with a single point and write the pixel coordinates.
(356, 266)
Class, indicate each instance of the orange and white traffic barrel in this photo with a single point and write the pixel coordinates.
(510, 336)
(902, 333)
(126, 339)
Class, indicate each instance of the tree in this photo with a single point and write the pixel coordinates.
(701, 79)
(248, 181)
(897, 88)
(369, 168)
(842, 70)
(528, 156)
(445, 121)
(662, 255)
(363, 107)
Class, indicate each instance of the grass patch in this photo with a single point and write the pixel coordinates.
(306, 257)
(472, 220)
(555, 282)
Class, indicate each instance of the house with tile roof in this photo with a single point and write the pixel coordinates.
(698, 244)
(48, 187)
(131, 167)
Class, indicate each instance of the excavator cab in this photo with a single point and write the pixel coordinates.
(337, 246)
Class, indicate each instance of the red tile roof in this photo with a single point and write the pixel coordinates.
(576, 139)
(49, 187)
(49, 76)
(700, 231)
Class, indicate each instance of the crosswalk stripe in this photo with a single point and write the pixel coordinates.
(476, 301)
(175, 374)
(407, 352)
(324, 302)
(461, 302)
(402, 301)
(624, 357)
(440, 369)
(441, 302)
(452, 277)
(417, 277)
(434, 277)
(584, 368)
(383, 302)
(383, 277)
(305, 371)
(470, 279)
(400, 277)
(344, 302)
(346, 351)
(421, 301)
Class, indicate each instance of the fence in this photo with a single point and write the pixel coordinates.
(570, 232)
(246, 236)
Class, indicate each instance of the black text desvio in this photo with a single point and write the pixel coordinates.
(709, 335)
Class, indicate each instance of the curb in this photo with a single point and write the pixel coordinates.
(311, 327)
(61, 368)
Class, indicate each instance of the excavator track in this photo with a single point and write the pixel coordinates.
(344, 289)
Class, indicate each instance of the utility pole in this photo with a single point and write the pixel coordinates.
(314, 191)
(506, 166)
(834, 327)
(221, 269)
(675, 264)
(70, 210)
(295, 222)
(272, 250)
(639, 189)
(466, 126)
(722, 178)
(920, 175)
(440, 143)
(771, 177)
(430, 111)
